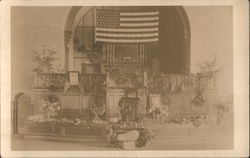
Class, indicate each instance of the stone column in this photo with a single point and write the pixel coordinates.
(67, 39)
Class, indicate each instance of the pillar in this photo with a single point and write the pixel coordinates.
(68, 43)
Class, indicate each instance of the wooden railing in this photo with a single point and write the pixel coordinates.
(43, 81)
(173, 82)
(179, 82)
(86, 81)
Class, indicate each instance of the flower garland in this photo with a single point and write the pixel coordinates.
(129, 109)
(145, 135)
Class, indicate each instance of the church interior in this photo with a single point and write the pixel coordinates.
(120, 90)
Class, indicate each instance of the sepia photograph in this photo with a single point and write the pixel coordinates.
(122, 78)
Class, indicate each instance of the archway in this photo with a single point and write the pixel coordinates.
(174, 38)
(22, 108)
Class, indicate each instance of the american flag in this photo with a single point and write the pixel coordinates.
(126, 27)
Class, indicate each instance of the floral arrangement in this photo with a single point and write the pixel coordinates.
(145, 135)
(130, 120)
(96, 112)
(154, 112)
(66, 121)
(195, 119)
(199, 99)
(48, 69)
(112, 138)
(92, 84)
(49, 109)
(207, 72)
(156, 84)
(221, 107)
(129, 109)
(44, 61)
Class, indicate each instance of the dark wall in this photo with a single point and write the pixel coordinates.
(172, 48)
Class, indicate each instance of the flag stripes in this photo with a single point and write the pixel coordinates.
(138, 13)
(141, 35)
(126, 40)
(140, 24)
(139, 19)
(126, 27)
(125, 30)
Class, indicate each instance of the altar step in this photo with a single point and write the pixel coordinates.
(187, 137)
(163, 130)
(191, 143)
(166, 136)
(189, 132)
(90, 140)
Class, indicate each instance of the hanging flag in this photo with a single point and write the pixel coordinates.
(126, 27)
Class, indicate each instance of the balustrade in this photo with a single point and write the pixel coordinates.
(92, 81)
(89, 82)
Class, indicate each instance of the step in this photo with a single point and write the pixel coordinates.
(206, 141)
(84, 139)
(162, 131)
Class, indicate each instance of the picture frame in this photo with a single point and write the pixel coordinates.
(74, 78)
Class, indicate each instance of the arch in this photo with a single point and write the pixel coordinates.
(184, 19)
(186, 34)
(76, 13)
(72, 21)
(174, 40)
(15, 111)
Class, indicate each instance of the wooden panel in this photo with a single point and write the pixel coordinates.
(87, 100)
(23, 109)
(176, 104)
(78, 131)
(211, 110)
(42, 129)
(180, 103)
(70, 104)
(185, 103)
(113, 99)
